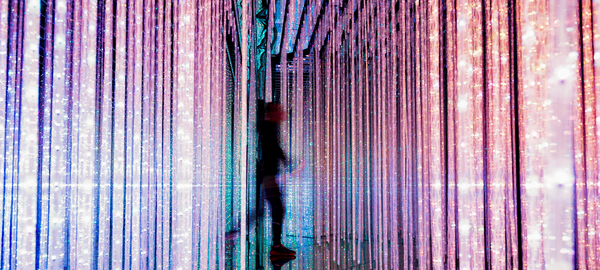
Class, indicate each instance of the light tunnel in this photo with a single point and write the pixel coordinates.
(446, 134)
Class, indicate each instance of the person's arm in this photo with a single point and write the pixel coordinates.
(278, 150)
(281, 155)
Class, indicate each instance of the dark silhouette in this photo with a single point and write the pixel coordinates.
(271, 155)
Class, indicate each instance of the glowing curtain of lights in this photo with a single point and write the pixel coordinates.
(456, 133)
(118, 124)
(444, 133)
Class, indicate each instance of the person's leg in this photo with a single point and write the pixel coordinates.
(274, 197)
(277, 213)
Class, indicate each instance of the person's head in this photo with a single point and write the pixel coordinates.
(274, 112)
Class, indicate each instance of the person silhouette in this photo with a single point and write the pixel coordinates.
(272, 154)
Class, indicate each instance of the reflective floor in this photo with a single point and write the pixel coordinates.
(338, 250)
(337, 254)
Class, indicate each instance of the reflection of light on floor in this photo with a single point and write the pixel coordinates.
(311, 255)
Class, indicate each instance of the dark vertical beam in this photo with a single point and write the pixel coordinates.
(514, 88)
(300, 25)
(444, 105)
(455, 150)
(581, 59)
(236, 22)
(112, 131)
(317, 23)
(485, 141)
(174, 29)
(285, 15)
(237, 9)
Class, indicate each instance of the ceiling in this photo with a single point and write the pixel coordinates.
(294, 20)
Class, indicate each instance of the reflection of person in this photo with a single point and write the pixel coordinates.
(271, 155)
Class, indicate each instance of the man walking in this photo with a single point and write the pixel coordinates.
(271, 155)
